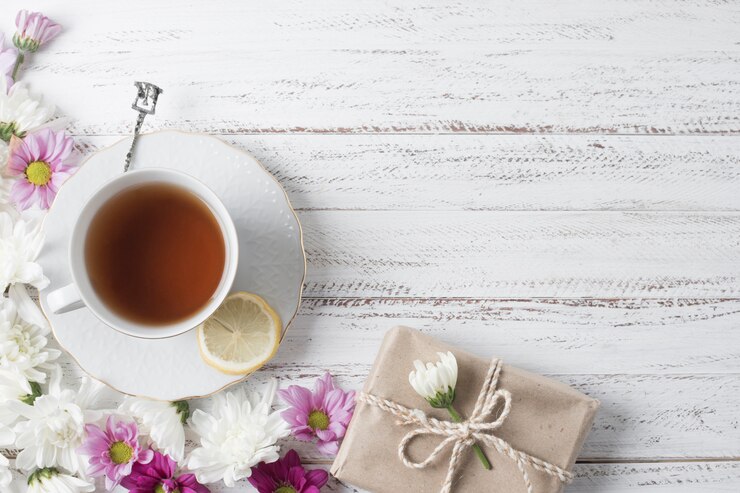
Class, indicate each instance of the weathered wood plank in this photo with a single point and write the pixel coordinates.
(693, 477)
(522, 254)
(497, 172)
(507, 66)
(543, 335)
(689, 477)
(643, 416)
(678, 477)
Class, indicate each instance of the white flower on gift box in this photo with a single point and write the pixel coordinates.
(51, 430)
(162, 421)
(50, 480)
(20, 113)
(240, 431)
(23, 346)
(436, 382)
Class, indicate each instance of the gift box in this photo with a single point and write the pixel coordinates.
(532, 448)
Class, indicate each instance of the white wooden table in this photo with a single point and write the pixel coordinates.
(557, 183)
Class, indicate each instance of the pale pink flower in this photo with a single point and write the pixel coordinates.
(42, 161)
(8, 56)
(323, 414)
(33, 30)
(114, 451)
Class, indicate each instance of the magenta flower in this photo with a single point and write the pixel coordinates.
(158, 476)
(114, 451)
(287, 475)
(323, 414)
(42, 161)
(33, 30)
(8, 56)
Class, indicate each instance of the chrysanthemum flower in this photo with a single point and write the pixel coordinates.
(52, 429)
(13, 387)
(8, 56)
(287, 475)
(240, 431)
(323, 414)
(162, 421)
(20, 244)
(436, 382)
(50, 480)
(23, 346)
(7, 437)
(33, 30)
(159, 476)
(42, 161)
(113, 452)
(20, 113)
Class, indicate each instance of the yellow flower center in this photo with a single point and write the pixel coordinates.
(318, 420)
(121, 453)
(38, 173)
(160, 489)
(285, 489)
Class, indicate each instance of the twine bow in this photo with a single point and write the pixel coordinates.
(463, 435)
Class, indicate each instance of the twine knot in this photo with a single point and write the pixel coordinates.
(464, 435)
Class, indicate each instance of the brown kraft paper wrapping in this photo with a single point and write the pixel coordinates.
(548, 420)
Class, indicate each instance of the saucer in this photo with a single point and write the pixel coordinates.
(272, 263)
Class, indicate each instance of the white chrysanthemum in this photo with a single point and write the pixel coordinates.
(50, 480)
(240, 431)
(162, 421)
(51, 430)
(20, 245)
(13, 387)
(6, 477)
(5, 184)
(23, 346)
(436, 382)
(20, 112)
(7, 437)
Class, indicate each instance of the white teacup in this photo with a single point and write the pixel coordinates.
(81, 293)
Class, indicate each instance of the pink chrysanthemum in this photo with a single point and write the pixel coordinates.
(114, 451)
(8, 56)
(323, 414)
(42, 161)
(33, 30)
(287, 475)
(158, 476)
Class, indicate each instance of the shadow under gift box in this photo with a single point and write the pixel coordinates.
(548, 420)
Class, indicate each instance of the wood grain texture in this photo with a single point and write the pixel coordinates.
(496, 172)
(653, 417)
(564, 336)
(676, 477)
(522, 254)
(609, 262)
(628, 66)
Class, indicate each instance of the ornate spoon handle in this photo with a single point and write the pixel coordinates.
(145, 103)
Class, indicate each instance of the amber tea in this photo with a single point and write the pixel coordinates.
(155, 254)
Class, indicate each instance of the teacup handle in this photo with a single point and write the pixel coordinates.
(64, 299)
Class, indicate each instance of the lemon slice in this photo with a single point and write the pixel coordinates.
(241, 335)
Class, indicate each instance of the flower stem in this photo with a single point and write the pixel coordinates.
(458, 419)
(18, 63)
